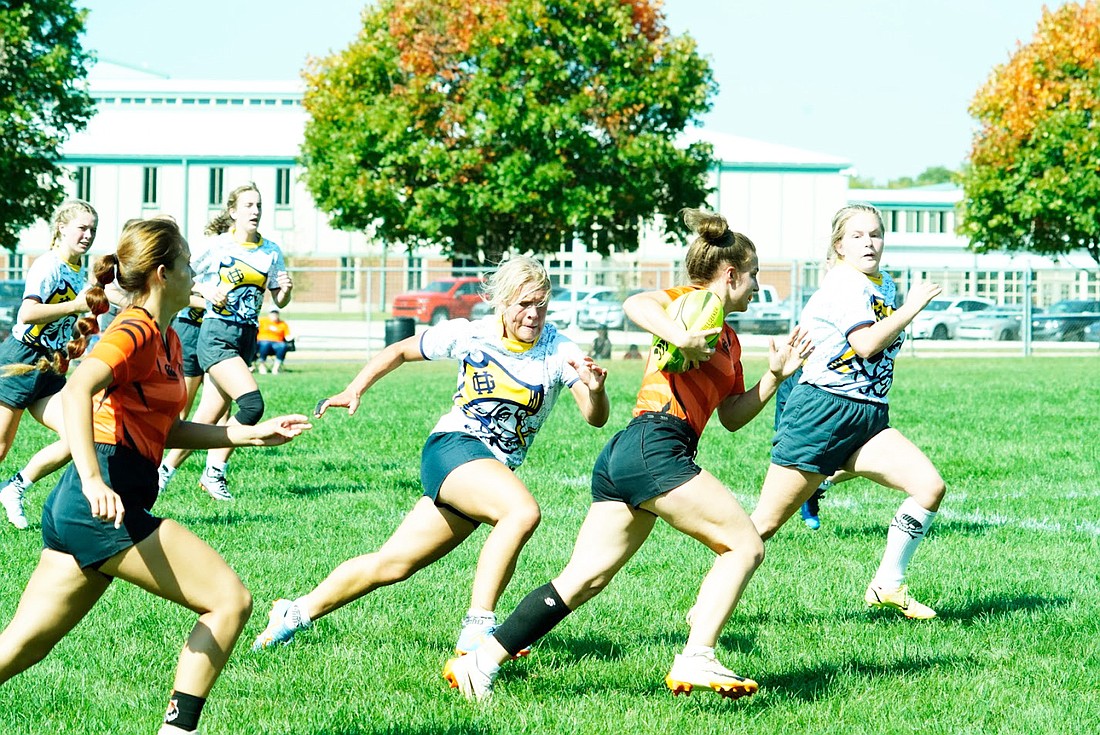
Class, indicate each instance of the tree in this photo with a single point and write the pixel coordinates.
(928, 177)
(42, 102)
(506, 125)
(1031, 183)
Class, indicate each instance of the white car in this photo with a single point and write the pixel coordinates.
(566, 302)
(940, 319)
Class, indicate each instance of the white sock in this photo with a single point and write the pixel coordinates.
(303, 620)
(482, 661)
(216, 466)
(168, 470)
(481, 612)
(907, 529)
(707, 651)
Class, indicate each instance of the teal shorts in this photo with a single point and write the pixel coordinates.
(67, 522)
(654, 454)
(220, 340)
(188, 332)
(20, 391)
(443, 453)
(819, 431)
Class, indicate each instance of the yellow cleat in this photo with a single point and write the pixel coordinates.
(880, 598)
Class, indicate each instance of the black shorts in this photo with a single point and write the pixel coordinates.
(67, 522)
(20, 391)
(443, 453)
(654, 454)
(188, 332)
(820, 431)
(220, 340)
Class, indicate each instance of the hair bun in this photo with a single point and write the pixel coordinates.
(708, 225)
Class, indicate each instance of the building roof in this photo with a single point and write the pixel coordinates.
(735, 151)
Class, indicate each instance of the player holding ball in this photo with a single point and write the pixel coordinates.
(648, 471)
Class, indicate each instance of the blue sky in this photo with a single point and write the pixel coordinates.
(882, 83)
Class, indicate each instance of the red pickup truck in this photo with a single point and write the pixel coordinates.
(447, 298)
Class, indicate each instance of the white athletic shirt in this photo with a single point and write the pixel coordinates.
(52, 281)
(244, 270)
(503, 397)
(849, 299)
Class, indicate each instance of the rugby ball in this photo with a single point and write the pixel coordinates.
(697, 311)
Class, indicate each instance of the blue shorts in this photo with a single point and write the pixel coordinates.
(220, 340)
(820, 431)
(67, 522)
(443, 453)
(20, 391)
(654, 454)
(188, 332)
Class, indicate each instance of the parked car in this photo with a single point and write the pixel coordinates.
(447, 298)
(1001, 323)
(601, 308)
(941, 317)
(481, 309)
(1092, 332)
(763, 316)
(564, 303)
(11, 296)
(1066, 320)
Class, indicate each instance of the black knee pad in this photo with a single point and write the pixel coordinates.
(250, 408)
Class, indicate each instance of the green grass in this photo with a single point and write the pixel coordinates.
(1011, 565)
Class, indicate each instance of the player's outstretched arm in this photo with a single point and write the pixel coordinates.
(385, 362)
(589, 392)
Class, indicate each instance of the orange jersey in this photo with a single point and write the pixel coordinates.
(271, 331)
(144, 399)
(693, 395)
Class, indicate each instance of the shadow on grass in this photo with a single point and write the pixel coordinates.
(997, 607)
(463, 728)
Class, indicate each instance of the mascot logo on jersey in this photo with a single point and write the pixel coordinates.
(502, 404)
(54, 335)
(244, 286)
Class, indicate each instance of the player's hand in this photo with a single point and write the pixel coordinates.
(344, 399)
(280, 430)
(785, 359)
(920, 294)
(216, 296)
(590, 373)
(695, 347)
(105, 503)
(284, 281)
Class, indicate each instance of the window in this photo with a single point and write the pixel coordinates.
(282, 187)
(890, 220)
(83, 178)
(217, 185)
(914, 221)
(14, 270)
(149, 186)
(937, 222)
(347, 275)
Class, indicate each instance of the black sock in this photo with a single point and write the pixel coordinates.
(184, 710)
(533, 618)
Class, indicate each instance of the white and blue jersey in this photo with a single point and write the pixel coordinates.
(503, 397)
(51, 280)
(243, 270)
(846, 301)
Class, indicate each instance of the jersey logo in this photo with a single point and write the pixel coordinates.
(502, 404)
(54, 335)
(245, 288)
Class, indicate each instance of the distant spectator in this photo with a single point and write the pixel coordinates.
(601, 346)
(272, 339)
(632, 353)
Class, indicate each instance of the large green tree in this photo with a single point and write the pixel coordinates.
(42, 102)
(1033, 179)
(507, 125)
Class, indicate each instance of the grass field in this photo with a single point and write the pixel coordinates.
(1012, 566)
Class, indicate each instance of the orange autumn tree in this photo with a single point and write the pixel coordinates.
(1032, 182)
(489, 126)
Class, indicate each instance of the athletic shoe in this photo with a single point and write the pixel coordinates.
(881, 598)
(283, 622)
(11, 497)
(213, 481)
(164, 476)
(463, 674)
(167, 729)
(689, 672)
(810, 509)
(475, 629)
